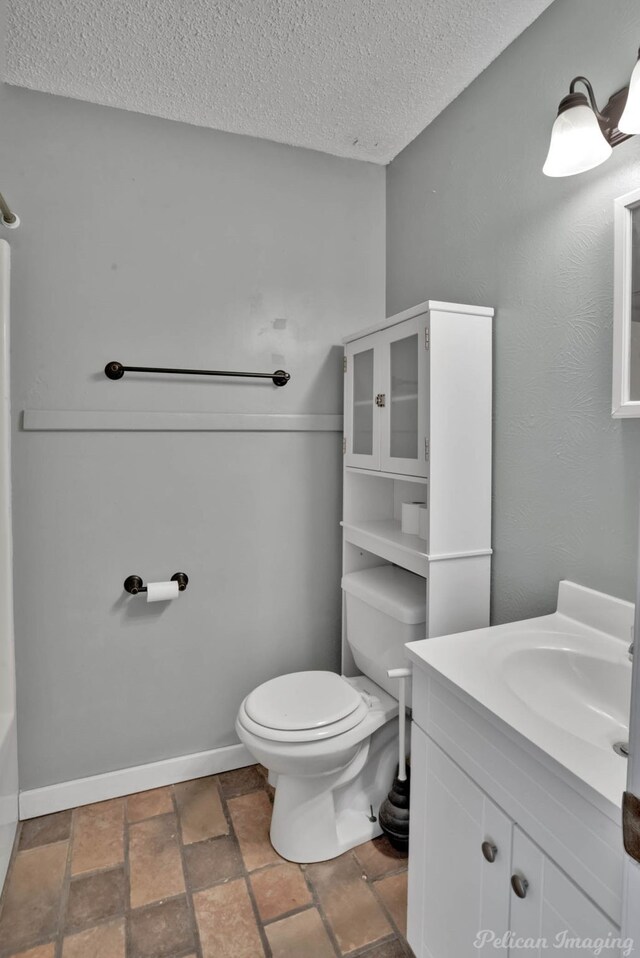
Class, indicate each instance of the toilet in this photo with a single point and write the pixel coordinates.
(330, 742)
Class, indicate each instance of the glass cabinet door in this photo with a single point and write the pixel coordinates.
(362, 424)
(404, 379)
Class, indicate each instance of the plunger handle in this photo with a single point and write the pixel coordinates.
(402, 675)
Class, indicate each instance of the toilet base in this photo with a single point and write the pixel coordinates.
(311, 826)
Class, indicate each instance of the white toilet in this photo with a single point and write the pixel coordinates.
(330, 743)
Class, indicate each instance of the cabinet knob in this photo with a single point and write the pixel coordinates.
(490, 851)
(381, 399)
(519, 885)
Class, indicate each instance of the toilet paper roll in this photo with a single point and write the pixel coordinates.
(411, 517)
(162, 591)
(423, 523)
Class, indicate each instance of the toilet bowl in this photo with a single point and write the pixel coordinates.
(332, 743)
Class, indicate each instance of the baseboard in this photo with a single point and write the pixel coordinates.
(125, 781)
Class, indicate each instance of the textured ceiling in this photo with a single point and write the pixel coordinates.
(358, 78)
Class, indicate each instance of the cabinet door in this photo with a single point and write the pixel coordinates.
(404, 381)
(361, 415)
(454, 891)
(554, 914)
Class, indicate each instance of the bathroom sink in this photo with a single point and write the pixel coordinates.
(586, 694)
(560, 681)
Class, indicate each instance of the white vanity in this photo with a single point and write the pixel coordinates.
(516, 787)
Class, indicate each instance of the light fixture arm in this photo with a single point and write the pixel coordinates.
(7, 217)
(607, 118)
(592, 96)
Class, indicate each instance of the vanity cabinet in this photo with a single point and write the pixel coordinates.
(553, 908)
(474, 864)
(454, 890)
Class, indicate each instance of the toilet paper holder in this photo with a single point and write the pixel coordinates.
(134, 584)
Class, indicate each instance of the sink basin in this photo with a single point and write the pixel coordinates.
(585, 694)
(560, 681)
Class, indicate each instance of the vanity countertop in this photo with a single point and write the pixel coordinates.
(562, 682)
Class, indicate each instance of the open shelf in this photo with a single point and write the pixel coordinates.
(378, 474)
(385, 538)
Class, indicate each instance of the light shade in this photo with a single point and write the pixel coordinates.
(630, 120)
(577, 142)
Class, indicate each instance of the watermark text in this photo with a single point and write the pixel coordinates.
(563, 941)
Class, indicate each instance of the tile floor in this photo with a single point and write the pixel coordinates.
(188, 872)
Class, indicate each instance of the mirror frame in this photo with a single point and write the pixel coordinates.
(622, 407)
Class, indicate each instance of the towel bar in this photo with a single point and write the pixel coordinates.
(115, 370)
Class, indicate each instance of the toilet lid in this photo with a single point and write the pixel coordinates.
(302, 700)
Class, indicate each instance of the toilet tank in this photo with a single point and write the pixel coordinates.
(385, 607)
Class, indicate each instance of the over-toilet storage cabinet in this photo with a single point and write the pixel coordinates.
(417, 427)
(485, 818)
(386, 407)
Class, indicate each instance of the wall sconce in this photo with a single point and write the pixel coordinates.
(582, 136)
(629, 122)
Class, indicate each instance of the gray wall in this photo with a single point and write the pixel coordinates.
(154, 242)
(3, 33)
(471, 218)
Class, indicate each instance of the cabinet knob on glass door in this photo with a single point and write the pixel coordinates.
(380, 399)
(490, 851)
(519, 885)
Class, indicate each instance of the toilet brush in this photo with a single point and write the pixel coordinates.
(394, 811)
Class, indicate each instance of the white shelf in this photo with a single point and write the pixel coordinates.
(385, 538)
(356, 471)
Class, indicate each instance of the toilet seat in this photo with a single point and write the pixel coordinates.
(303, 707)
(302, 700)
